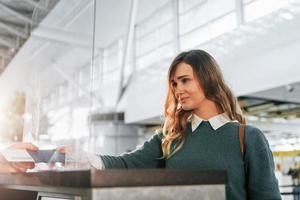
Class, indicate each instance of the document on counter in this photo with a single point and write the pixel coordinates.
(45, 156)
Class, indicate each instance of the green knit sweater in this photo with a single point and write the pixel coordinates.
(206, 148)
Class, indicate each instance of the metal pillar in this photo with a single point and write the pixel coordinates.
(176, 26)
(239, 12)
(127, 46)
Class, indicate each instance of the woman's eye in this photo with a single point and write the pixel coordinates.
(184, 80)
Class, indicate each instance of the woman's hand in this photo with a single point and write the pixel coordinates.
(61, 149)
(13, 167)
(76, 158)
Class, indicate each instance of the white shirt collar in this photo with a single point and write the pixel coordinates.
(216, 121)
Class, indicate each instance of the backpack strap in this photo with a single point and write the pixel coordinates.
(242, 139)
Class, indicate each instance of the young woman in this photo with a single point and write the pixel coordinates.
(201, 132)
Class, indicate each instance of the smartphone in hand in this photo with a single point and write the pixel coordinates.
(16, 155)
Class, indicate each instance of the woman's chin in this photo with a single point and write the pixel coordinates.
(186, 107)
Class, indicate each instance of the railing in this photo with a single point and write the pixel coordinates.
(290, 192)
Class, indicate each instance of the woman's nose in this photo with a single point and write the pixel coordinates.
(178, 91)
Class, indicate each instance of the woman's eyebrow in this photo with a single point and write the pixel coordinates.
(181, 77)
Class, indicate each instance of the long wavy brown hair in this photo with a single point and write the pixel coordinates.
(208, 73)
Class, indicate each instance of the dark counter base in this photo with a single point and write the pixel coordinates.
(7, 194)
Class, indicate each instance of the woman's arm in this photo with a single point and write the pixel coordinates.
(145, 156)
(261, 181)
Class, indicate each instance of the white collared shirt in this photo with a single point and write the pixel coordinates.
(215, 122)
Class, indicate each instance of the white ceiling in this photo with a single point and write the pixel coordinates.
(46, 47)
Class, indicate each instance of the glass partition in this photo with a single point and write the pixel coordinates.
(81, 61)
(198, 24)
(57, 84)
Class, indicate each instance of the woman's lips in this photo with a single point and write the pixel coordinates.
(183, 99)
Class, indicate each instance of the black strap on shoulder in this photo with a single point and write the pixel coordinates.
(241, 134)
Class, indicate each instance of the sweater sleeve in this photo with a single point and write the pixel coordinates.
(261, 181)
(144, 156)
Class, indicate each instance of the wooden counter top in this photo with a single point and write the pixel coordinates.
(114, 178)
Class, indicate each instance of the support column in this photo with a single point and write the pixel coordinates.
(127, 45)
(239, 12)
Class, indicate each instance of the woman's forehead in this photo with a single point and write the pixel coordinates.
(182, 69)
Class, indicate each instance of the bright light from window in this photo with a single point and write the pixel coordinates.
(223, 25)
(260, 8)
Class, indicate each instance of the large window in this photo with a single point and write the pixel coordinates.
(201, 21)
(82, 58)
(154, 37)
(258, 8)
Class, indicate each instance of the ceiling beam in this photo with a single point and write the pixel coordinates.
(14, 24)
(36, 5)
(6, 43)
(9, 37)
(15, 13)
(76, 11)
(62, 36)
(13, 31)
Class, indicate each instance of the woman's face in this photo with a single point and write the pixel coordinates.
(187, 88)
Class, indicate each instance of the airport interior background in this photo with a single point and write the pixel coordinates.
(93, 72)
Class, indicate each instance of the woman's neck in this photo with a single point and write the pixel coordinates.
(206, 110)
